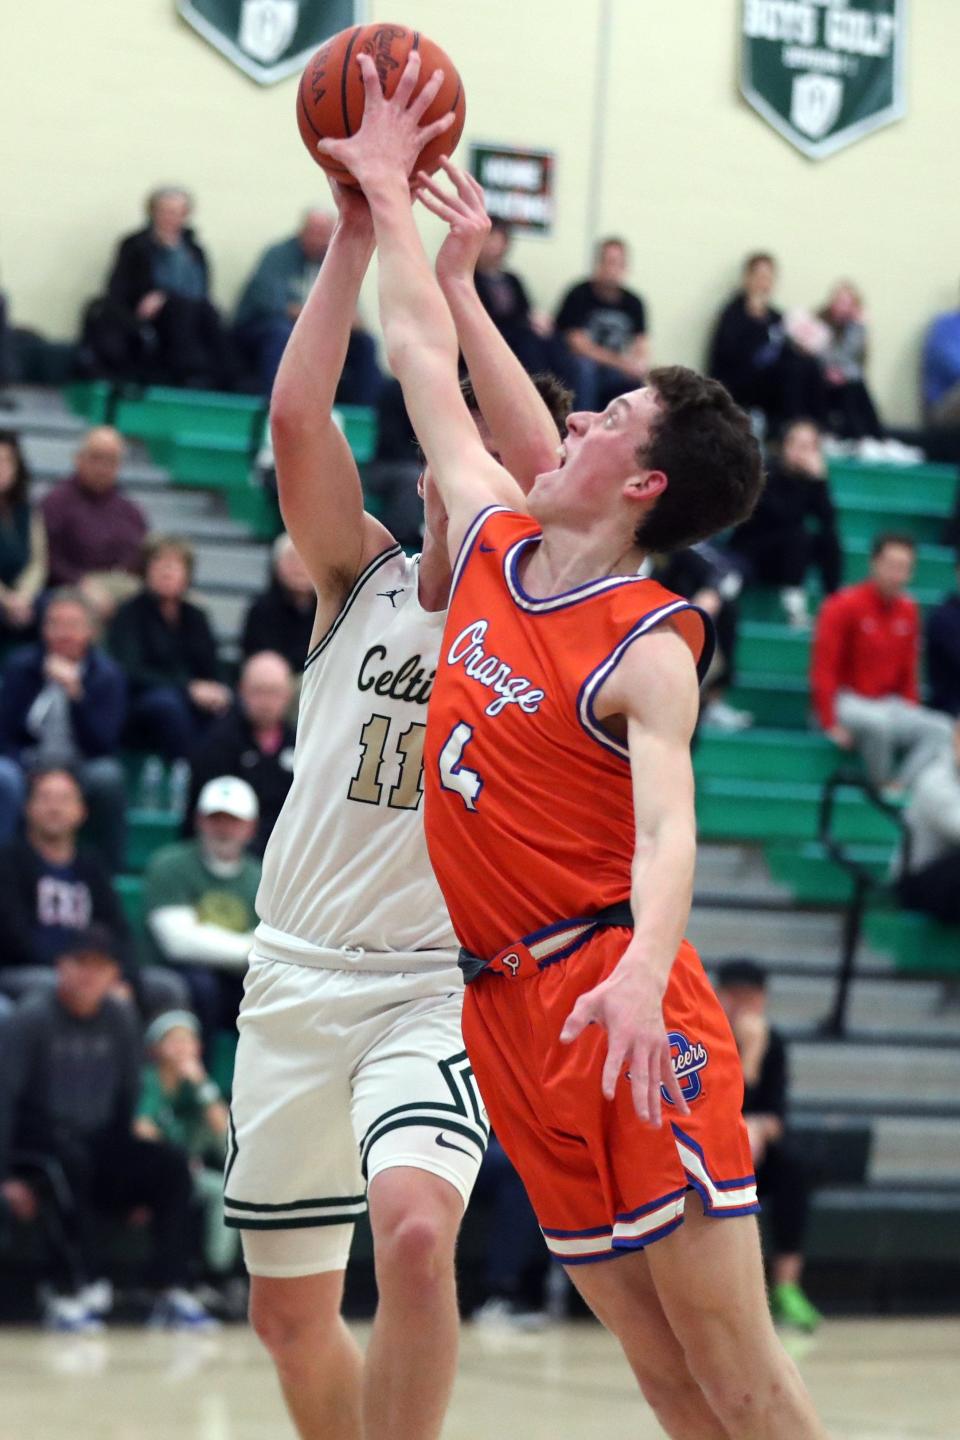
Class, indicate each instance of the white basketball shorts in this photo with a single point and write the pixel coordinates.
(341, 1074)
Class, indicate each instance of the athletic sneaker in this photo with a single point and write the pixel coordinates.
(97, 1297)
(68, 1315)
(179, 1310)
(791, 1308)
(718, 715)
(500, 1313)
(793, 598)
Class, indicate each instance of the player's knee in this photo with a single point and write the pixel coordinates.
(290, 1329)
(669, 1391)
(415, 1250)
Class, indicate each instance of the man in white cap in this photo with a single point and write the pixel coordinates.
(199, 901)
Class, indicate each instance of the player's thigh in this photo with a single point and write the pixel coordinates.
(623, 1296)
(292, 1184)
(416, 1106)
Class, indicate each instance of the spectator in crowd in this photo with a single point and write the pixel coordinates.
(782, 1180)
(752, 356)
(793, 529)
(943, 653)
(705, 576)
(504, 297)
(253, 740)
(158, 294)
(930, 863)
(851, 413)
(52, 889)
(181, 1105)
(23, 542)
(865, 666)
(199, 901)
(281, 619)
(941, 372)
(70, 1084)
(167, 650)
(273, 298)
(605, 328)
(95, 533)
(63, 702)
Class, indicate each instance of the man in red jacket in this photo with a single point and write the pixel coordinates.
(864, 677)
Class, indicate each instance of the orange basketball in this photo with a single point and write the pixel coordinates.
(330, 97)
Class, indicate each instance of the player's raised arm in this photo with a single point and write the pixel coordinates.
(319, 488)
(418, 329)
(523, 430)
(654, 689)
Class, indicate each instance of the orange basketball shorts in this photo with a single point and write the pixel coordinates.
(602, 1182)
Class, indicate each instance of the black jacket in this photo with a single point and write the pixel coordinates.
(42, 907)
(742, 347)
(132, 275)
(790, 501)
(274, 622)
(943, 655)
(152, 652)
(229, 748)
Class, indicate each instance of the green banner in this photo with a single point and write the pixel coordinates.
(267, 39)
(824, 73)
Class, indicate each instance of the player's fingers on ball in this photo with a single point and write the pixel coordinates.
(408, 80)
(421, 103)
(373, 92)
(436, 128)
(333, 148)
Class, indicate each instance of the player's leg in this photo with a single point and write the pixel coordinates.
(412, 1356)
(709, 1278)
(421, 1130)
(317, 1360)
(623, 1297)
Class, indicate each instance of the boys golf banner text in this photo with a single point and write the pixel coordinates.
(824, 73)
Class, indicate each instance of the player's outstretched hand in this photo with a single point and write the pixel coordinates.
(629, 1008)
(391, 136)
(464, 211)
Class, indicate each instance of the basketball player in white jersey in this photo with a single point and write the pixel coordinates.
(352, 1085)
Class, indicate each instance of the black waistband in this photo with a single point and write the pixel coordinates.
(619, 913)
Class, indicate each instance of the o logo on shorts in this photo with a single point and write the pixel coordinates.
(689, 1058)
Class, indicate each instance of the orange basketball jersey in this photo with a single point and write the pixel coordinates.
(529, 810)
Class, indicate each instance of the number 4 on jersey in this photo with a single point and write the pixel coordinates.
(453, 776)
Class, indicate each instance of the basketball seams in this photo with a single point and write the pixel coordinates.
(344, 79)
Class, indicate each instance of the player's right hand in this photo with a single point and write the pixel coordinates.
(464, 210)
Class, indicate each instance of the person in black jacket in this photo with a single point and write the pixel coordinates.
(168, 653)
(51, 890)
(943, 653)
(64, 702)
(782, 1179)
(254, 741)
(752, 356)
(158, 317)
(794, 528)
(282, 617)
(705, 576)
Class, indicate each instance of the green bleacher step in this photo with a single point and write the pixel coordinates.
(764, 647)
(161, 411)
(813, 877)
(918, 945)
(129, 888)
(924, 483)
(206, 459)
(89, 398)
(360, 426)
(866, 518)
(775, 701)
(148, 830)
(777, 810)
(765, 755)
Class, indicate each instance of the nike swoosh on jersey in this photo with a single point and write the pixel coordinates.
(448, 1145)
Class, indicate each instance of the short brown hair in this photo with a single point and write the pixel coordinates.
(156, 545)
(704, 445)
(554, 394)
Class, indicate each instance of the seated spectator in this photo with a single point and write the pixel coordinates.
(793, 529)
(64, 702)
(281, 619)
(70, 1084)
(158, 324)
(851, 413)
(705, 576)
(95, 533)
(941, 372)
(199, 902)
(865, 665)
(168, 654)
(52, 889)
(180, 1104)
(253, 740)
(943, 653)
(751, 355)
(782, 1180)
(930, 865)
(23, 542)
(605, 327)
(504, 297)
(273, 298)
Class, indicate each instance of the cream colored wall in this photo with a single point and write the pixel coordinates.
(100, 100)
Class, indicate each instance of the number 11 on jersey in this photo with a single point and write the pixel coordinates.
(453, 775)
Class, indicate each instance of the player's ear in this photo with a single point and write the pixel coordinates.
(645, 485)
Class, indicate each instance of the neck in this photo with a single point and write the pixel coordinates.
(567, 557)
(57, 851)
(435, 575)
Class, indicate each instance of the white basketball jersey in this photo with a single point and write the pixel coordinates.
(346, 878)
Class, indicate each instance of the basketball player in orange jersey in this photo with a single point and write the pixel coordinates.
(561, 827)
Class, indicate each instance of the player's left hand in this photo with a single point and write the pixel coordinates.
(464, 211)
(391, 136)
(629, 1007)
